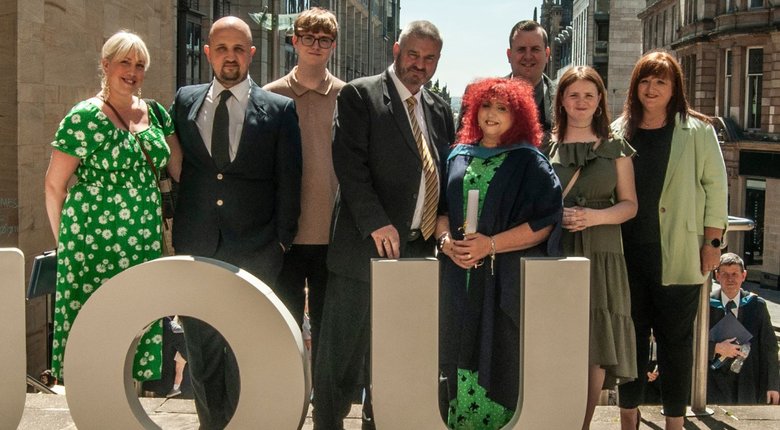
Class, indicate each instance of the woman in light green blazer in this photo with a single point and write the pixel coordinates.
(676, 236)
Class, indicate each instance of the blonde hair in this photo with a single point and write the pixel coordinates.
(119, 45)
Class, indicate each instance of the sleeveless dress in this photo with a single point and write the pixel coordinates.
(110, 221)
(612, 344)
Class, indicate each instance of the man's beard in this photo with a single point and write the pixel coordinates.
(230, 76)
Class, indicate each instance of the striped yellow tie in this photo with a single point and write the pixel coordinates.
(431, 202)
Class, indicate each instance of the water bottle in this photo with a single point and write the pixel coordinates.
(736, 365)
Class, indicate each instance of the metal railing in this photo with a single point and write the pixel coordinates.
(702, 334)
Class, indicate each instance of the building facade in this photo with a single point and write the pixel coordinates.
(50, 63)
(730, 53)
(601, 33)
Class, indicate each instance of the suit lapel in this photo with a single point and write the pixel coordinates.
(253, 117)
(397, 109)
(196, 101)
(679, 142)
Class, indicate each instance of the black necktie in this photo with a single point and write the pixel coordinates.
(730, 306)
(220, 132)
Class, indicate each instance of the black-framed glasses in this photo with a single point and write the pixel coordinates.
(308, 40)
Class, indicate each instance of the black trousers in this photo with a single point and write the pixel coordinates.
(213, 368)
(343, 359)
(305, 264)
(214, 374)
(670, 312)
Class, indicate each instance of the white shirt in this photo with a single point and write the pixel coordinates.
(236, 110)
(725, 300)
(404, 94)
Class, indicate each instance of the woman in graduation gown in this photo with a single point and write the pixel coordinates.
(520, 209)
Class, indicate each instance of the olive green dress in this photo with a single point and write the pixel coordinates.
(612, 344)
(110, 221)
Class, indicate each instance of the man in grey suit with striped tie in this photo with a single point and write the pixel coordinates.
(390, 136)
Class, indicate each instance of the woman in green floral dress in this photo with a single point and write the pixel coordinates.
(110, 219)
(519, 213)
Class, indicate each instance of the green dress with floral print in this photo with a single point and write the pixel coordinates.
(110, 220)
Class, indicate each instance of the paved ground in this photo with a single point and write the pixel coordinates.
(50, 412)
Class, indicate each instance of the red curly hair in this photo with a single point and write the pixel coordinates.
(519, 97)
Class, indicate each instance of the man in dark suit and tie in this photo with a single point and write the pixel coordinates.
(758, 381)
(390, 134)
(239, 196)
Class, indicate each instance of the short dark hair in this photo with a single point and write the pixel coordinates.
(528, 25)
(420, 29)
(317, 20)
(729, 259)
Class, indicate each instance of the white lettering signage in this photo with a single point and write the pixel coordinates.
(267, 342)
(13, 348)
(263, 335)
(553, 344)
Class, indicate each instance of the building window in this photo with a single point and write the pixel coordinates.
(756, 3)
(727, 63)
(221, 8)
(755, 77)
(193, 75)
(663, 34)
(689, 71)
(755, 196)
(189, 44)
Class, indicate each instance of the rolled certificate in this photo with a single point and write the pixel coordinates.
(472, 208)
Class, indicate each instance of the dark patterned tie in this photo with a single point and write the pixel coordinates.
(220, 132)
(431, 202)
(730, 306)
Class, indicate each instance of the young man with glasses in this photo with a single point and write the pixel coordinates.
(314, 90)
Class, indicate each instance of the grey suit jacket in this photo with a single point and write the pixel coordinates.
(378, 167)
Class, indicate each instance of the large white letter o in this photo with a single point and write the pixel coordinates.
(264, 337)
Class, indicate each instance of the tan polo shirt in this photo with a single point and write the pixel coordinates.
(318, 185)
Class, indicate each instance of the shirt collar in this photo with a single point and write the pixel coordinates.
(403, 92)
(299, 90)
(240, 91)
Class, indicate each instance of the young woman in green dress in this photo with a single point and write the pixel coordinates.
(596, 170)
(110, 219)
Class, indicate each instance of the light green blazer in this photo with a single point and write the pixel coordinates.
(694, 196)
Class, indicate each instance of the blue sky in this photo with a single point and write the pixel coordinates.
(475, 35)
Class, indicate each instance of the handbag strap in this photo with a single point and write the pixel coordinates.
(140, 145)
(576, 174)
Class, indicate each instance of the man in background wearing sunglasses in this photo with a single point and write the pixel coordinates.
(314, 90)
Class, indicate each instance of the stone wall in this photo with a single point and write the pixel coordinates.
(771, 263)
(625, 48)
(51, 64)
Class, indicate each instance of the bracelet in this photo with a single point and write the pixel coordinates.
(440, 241)
(492, 255)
